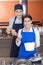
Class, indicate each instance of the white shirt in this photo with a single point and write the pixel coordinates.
(37, 35)
(17, 21)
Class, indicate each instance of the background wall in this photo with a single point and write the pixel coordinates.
(7, 10)
(35, 8)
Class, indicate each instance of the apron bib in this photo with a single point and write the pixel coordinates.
(14, 48)
(28, 39)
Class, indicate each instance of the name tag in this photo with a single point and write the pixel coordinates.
(29, 46)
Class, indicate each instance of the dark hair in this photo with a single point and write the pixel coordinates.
(18, 6)
(28, 16)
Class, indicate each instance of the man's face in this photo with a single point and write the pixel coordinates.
(19, 13)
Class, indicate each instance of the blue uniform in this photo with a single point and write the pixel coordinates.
(26, 37)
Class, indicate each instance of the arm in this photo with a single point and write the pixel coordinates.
(18, 39)
(10, 29)
(37, 34)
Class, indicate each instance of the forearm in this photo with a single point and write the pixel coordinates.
(18, 43)
(8, 30)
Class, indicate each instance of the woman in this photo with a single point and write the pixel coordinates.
(15, 23)
(28, 39)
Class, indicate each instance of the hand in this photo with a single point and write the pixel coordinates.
(8, 30)
(14, 33)
(17, 39)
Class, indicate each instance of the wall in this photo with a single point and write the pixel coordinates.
(7, 10)
(35, 8)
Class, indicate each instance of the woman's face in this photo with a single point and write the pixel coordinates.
(19, 13)
(27, 22)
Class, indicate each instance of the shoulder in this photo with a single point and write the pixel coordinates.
(19, 31)
(12, 18)
(36, 31)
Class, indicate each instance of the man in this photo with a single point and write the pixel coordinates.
(15, 23)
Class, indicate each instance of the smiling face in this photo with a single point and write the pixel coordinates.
(19, 13)
(27, 22)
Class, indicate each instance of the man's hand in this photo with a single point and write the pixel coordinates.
(8, 30)
(13, 32)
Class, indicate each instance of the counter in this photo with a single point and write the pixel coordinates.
(5, 46)
(15, 61)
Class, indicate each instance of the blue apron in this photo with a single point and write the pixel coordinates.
(14, 48)
(26, 37)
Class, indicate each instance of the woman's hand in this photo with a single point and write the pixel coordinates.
(17, 39)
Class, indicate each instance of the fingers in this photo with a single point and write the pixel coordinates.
(11, 31)
(17, 39)
(14, 32)
(8, 30)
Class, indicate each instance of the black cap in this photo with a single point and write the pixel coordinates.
(18, 6)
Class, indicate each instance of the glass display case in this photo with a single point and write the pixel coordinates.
(15, 61)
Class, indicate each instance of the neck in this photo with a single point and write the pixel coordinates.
(26, 29)
(19, 17)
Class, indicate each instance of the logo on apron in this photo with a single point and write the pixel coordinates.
(29, 46)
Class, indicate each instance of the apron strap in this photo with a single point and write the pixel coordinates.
(33, 29)
(14, 21)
